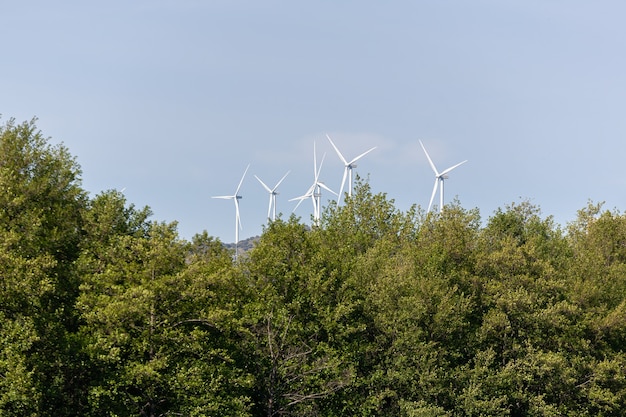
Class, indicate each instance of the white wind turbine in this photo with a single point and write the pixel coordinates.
(236, 197)
(271, 210)
(347, 168)
(315, 190)
(439, 180)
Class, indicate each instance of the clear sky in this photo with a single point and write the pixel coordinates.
(171, 100)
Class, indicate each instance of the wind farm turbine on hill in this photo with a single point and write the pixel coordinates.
(440, 177)
(348, 166)
(314, 192)
(271, 210)
(236, 197)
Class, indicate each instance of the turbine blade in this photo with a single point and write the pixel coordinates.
(310, 190)
(305, 195)
(314, 160)
(361, 156)
(242, 177)
(263, 184)
(343, 182)
(337, 150)
(317, 174)
(321, 184)
(432, 196)
(301, 199)
(269, 208)
(281, 180)
(452, 167)
(224, 197)
(430, 161)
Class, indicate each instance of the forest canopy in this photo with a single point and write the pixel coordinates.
(374, 311)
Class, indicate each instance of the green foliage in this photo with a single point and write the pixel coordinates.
(19, 395)
(371, 312)
(298, 367)
(41, 202)
(149, 331)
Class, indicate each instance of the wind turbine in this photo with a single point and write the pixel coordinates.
(315, 190)
(271, 214)
(236, 197)
(439, 180)
(347, 168)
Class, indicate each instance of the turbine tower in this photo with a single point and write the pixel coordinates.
(271, 210)
(236, 197)
(347, 173)
(439, 180)
(315, 190)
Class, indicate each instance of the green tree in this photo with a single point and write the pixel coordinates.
(41, 201)
(158, 327)
(417, 311)
(214, 376)
(597, 278)
(529, 348)
(298, 368)
(124, 304)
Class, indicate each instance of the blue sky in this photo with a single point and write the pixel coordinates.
(171, 100)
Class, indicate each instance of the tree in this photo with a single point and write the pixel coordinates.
(41, 201)
(416, 312)
(124, 299)
(157, 325)
(370, 312)
(597, 281)
(530, 348)
(298, 368)
(215, 376)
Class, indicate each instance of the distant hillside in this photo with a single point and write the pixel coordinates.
(244, 245)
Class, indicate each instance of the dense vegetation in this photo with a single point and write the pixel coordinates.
(104, 312)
